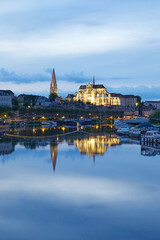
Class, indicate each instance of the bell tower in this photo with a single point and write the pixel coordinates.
(53, 85)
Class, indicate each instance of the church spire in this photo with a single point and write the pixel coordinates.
(93, 80)
(53, 86)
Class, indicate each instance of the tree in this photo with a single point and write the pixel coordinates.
(52, 97)
(15, 102)
(138, 100)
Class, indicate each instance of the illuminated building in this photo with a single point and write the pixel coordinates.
(53, 85)
(97, 94)
(122, 100)
(54, 151)
(93, 93)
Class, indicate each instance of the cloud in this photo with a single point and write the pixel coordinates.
(80, 190)
(77, 77)
(73, 40)
(70, 82)
(6, 76)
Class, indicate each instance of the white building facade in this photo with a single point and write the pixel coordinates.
(5, 99)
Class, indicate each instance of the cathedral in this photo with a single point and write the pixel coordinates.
(98, 95)
(53, 86)
(94, 93)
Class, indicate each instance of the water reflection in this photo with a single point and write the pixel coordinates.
(54, 152)
(112, 200)
(6, 147)
(87, 144)
(94, 145)
(150, 149)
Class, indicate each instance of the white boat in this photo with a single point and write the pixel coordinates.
(137, 120)
(49, 124)
(124, 130)
(151, 136)
(135, 132)
(119, 123)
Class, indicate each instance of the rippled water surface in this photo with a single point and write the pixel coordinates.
(79, 187)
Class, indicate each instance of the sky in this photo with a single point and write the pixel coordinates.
(117, 41)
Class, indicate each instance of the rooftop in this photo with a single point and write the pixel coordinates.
(121, 95)
(95, 86)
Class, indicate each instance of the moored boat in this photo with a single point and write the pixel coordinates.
(49, 124)
(151, 136)
(146, 127)
(135, 132)
(124, 130)
(138, 120)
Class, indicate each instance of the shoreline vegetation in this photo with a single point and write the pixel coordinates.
(59, 112)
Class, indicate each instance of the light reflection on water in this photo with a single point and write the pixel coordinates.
(79, 187)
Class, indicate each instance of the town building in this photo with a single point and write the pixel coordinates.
(53, 85)
(9, 92)
(5, 99)
(122, 100)
(58, 100)
(155, 104)
(42, 101)
(70, 97)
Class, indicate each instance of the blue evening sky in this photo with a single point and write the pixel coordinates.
(118, 41)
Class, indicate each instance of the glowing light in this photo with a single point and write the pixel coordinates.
(63, 128)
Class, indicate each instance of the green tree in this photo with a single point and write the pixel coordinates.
(52, 97)
(138, 100)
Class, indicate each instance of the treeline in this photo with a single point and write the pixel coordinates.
(58, 112)
(155, 114)
(67, 112)
(5, 110)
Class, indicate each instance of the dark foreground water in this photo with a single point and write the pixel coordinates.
(79, 187)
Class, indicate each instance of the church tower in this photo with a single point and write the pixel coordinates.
(93, 80)
(53, 86)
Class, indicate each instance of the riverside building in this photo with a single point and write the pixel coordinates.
(5, 99)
